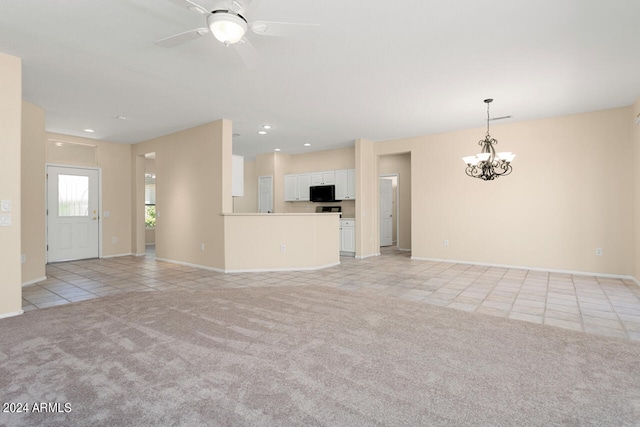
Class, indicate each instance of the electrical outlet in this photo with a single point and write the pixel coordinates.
(23, 259)
(446, 242)
(114, 240)
(202, 246)
(598, 251)
(283, 248)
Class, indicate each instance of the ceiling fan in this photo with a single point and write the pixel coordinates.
(229, 26)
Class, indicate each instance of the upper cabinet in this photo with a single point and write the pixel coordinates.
(296, 187)
(237, 176)
(345, 181)
(323, 178)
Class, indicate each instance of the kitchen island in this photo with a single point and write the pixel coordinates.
(281, 241)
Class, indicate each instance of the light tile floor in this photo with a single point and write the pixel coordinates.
(590, 304)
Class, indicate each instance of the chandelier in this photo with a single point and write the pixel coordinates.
(487, 165)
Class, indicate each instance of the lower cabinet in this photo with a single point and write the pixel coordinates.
(348, 237)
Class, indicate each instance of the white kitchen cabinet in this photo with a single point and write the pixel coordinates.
(347, 237)
(304, 182)
(296, 187)
(237, 176)
(323, 178)
(345, 181)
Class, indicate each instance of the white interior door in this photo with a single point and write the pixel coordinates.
(265, 194)
(73, 230)
(386, 212)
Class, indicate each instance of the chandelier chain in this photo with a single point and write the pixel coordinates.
(488, 118)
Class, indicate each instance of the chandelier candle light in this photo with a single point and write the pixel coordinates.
(487, 165)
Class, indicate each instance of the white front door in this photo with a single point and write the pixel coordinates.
(72, 213)
(386, 209)
(265, 194)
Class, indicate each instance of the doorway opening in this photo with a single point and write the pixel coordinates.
(388, 201)
(394, 202)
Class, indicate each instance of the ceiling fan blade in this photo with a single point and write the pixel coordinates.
(240, 6)
(247, 53)
(192, 6)
(285, 29)
(181, 38)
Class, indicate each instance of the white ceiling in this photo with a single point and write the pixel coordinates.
(379, 69)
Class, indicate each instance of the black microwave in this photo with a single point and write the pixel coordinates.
(322, 193)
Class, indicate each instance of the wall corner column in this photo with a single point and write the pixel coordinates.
(10, 184)
(635, 135)
(367, 233)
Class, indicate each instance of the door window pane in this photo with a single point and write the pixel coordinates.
(73, 195)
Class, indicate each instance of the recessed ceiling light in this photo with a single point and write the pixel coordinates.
(266, 126)
(307, 145)
(59, 144)
(89, 130)
(277, 149)
(119, 117)
(262, 132)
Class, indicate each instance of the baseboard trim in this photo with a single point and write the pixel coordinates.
(34, 281)
(248, 270)
(116, 255)
(12, 314)
(367, 256)
(188, 264)
(520, 267)
(267, 270)
(404, 250)
(140, 254)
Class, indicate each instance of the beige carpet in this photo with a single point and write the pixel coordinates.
(306, 356)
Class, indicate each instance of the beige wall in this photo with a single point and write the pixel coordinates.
(193, 187)
(635, 114)
(255, 242)
(400, 164)
(318, 161)
(10, 165)
(33, 193)
(114, 160)
(571, 192)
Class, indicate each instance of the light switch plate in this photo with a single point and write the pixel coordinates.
(5, 220)
(5, 205)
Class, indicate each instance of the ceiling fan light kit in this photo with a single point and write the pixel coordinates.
(487, 165)
(229, 26)
(226, 26)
